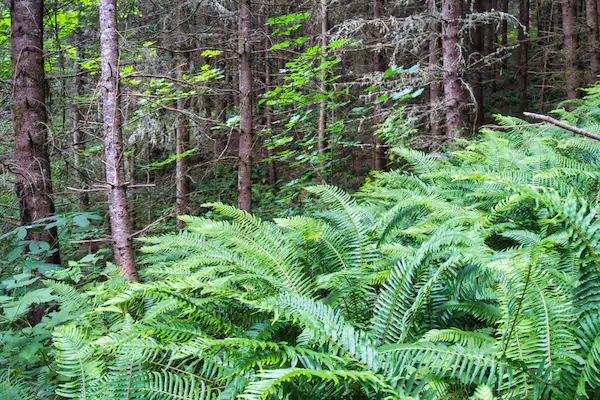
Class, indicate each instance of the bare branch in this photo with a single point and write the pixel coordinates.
(563, 125)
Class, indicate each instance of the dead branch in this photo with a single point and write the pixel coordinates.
(563, 125)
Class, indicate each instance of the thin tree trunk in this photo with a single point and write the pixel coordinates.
(592, 17)
(478, 42)
(546, 13)
(33, 182)
(79, 136)
(182, 186)
(454, 92)
(569, 13)
(436, 88)
(113, 143)
(504, 36)
(378, 66)
(245, 90)
(272, 166)
(522, 67)
(491, 41)
(322, 104)
(504, 24)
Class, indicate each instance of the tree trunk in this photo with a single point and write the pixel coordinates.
(569, 13)
(272, 166)
(113, 144)
(504, 24)
(33, 182)
(491, 41)
(436, 88)
(378, 66)
(455, 97)
(592, 18)
(478, 41)
(79, 136)
(245, 90)
(182, 186)
(522, 66)
(323, 103)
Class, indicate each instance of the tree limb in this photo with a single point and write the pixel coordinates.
(563, 125)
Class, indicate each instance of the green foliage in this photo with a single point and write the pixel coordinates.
(472, 274)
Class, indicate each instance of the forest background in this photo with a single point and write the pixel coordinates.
(118, 119)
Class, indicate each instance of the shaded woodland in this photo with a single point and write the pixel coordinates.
(386, 199)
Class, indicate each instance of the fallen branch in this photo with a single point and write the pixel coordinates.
(563, 125)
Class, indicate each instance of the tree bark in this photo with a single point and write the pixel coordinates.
(33, 182)
(113, 142)
(523, 55)
(182, 186)
(272, 166)
(478, 48)
(436, 88)
(569, 13)
(245, 90)
(491, 41)
(592, 19)
(455, 96)
(504, 24)
(378, 66)
(79, 135)
(322, 103)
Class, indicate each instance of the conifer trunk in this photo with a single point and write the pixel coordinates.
(33, 182)
(322, 104)
(436, 89)
(245, 90)
(78, 133)
(523, 54)
(569, 14)
(592, 18)
(272, 166)
(455, 96)
(182, 186)
(378, 66)
(478, 48)
(113, 145)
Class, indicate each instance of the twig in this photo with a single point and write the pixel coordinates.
(91, 240)
(85, 190)
(8, 222)
(509, 126)
(563, 125)
(169, 215)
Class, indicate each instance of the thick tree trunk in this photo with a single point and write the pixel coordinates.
(378, 66)
(33, 182)
(592, 19)
(322, 104)
(182, 186)
(436, 88)
(245, 90)
(455, 97)
(113, 145)
(569, 13)
(522, 66)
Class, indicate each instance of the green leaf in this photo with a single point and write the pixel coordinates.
(82, 221)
